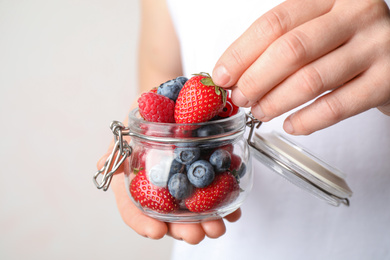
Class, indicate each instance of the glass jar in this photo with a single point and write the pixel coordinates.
(189, 172)
(196, 172)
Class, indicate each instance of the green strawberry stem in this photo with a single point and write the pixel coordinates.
(208, 81)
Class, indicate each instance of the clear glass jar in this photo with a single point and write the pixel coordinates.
(196, 172)
(189, 172)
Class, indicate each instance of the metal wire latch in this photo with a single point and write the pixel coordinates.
(252, 123)
(120, 152)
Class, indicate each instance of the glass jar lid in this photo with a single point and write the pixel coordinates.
(301, 167)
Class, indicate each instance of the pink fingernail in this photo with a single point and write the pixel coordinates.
(257, 112)
(288, 127)
(221, 76)
(239, 99)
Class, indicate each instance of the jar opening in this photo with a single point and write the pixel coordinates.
(172, 132)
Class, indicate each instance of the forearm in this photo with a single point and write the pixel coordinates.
(159, 50)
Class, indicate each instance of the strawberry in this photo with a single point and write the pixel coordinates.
(150, 196)
(199, 100)
(224, 189)
(156, 108)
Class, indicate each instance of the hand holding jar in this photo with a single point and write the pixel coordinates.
(193, 172)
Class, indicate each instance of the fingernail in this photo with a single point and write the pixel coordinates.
(288, 127)
(221, 76)
(239, 99)
(257, 112)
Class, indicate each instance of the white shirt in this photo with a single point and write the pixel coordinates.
(279, 220)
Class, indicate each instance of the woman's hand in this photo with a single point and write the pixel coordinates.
(336, 52)
(152, 228)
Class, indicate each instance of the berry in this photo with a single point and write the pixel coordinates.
(176, 167)
(150, 196)
(201, 173)
(228, 147)
(237, 167)
(224, 189)
(235, 108)
(186, 155)
(236, 162)
(156, 108)
(227, 110)
(221, 160)
(182, 131)
(199, 100)
(209, 129)
(241, 171)
(182, 79)
(172, 87)
(230, 109)
(179, 186)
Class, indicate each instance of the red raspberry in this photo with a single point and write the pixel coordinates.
(235, 163)
(156, 108)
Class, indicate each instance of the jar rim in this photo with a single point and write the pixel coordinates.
(176, 131)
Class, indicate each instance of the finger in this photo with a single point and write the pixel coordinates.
(292, 51)
(248, 47)
(326, 73)
(191, 233)
(360, 94)
(233, 217)
(214, 228)
(132, 216)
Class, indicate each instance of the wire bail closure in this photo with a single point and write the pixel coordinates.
(252, 123)
(120, 152)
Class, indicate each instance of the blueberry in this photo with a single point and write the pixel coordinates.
(171, 88)
(242, 170)
(179, 186)
(221, 160)
(176, 167)
(207, 130)
(201, 173)
(187, 155)
(182, 80)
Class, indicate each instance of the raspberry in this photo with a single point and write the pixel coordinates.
(156, 108)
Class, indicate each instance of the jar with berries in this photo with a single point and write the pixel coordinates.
(189, 160)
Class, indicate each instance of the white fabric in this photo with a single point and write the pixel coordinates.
(279, 220)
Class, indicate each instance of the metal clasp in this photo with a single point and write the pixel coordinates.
(122, 150)
(252, 123)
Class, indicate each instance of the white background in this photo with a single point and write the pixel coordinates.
(67, 69)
